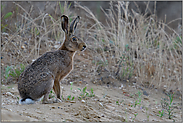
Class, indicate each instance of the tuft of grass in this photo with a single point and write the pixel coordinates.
(64, 7)
(147, 113)
(177, 42)
(119, 103)
(168, 106)
(139, 99)
(52, 94)
(3, 18)
(126, 118)
(161, 113)
(85, 94)
(135, 116)
(14, 71)
(92, 93)
(69, 97)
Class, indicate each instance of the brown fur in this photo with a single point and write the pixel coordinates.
(48, 70)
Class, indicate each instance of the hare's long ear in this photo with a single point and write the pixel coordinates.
(74, 24)
(64, 23)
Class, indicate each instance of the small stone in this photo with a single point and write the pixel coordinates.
(143, 111)
(146, 98)
(9, 93)
(180, 98)
(145, 93)
(5, 34)
(101, 104)
(53, 107)
(83, 101)
(151, 114)
(23, 47)
(165, 86)
(72, 102)
(121, 86)
(39, 112)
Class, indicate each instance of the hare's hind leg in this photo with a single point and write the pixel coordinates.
(56, 88)
(46, 99)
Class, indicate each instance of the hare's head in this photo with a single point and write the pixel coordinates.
(72, 42)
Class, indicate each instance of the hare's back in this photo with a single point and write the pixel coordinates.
(48, 63)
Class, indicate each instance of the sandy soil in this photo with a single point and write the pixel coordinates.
(101, 107)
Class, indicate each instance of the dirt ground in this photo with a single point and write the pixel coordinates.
(101, 107)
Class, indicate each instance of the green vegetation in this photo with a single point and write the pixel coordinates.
(4, 17)
(35, 32)
(126, 65)
(168, 105)
(119, 103)
(85, 94)
(69, 97)
(14, 71)
(126, 118)
(147, 113)
(135, 116)
(52, 94)
(178, 42)
(139, 99)
(62, 8)
(161, 113)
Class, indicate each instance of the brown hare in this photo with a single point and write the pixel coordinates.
(47, 71)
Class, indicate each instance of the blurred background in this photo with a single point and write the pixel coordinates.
(170, 12)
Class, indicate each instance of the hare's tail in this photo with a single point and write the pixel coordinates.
(26, 101)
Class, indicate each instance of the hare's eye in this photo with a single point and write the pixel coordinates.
(74, 39)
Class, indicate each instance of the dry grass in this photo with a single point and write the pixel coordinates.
(126, 49)
(140, 50)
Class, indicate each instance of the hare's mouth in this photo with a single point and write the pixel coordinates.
(83, 48)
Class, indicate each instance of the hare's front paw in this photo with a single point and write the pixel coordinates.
(57, 100)
(48, 101)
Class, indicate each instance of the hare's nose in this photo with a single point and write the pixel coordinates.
(84, 47)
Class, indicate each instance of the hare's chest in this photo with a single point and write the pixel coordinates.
(64, 71)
